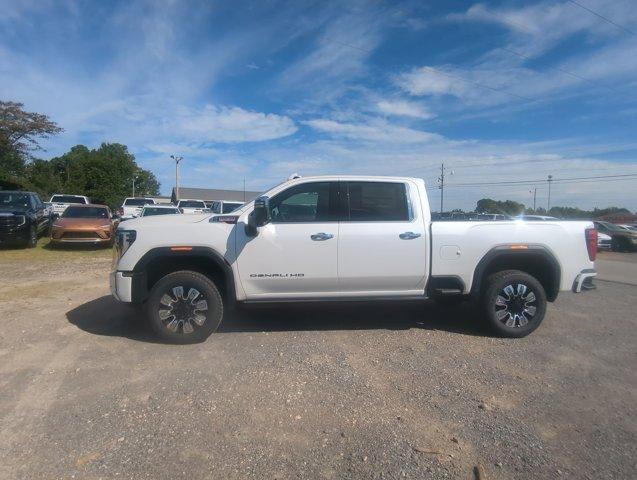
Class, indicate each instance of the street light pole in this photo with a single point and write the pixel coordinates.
(534, 191)
(177, 160)
(548, 205)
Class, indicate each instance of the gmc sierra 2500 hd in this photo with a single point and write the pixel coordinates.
(345, 238)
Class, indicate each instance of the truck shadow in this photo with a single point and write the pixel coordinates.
(106, 316)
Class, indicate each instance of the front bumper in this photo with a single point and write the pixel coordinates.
(584, 280)
(84, 236)
(122, 286)
(15, 235)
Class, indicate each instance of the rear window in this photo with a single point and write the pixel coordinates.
(192, 204)
(159, 211)
(377, 202)
(85, 212)
(136, 202)
(68, 199)
(230, 207)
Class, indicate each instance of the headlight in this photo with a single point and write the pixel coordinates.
(20, 220)
(124, 239)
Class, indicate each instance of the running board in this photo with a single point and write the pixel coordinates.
(447, 292)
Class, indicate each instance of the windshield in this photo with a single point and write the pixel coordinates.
(192, 204)
(148, 211)
(231, 207)
(14, 199)
(610, 227)
(136, 202)
(68, 199)
(85, 212)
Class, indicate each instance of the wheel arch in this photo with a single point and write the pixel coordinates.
(160, 261)
(536, 260)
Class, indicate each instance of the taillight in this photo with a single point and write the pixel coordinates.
(591, 243)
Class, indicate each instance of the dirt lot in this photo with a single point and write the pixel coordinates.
(407, 391)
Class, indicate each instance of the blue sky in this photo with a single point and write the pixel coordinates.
(499, 91)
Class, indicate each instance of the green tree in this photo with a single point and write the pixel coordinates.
(507, 207)
(104, 174)
(20, 133)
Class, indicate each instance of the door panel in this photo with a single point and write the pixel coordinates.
(295, 254)
(382, 249)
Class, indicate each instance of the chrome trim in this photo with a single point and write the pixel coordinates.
(581, 278)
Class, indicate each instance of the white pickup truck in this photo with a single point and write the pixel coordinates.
(337, 238)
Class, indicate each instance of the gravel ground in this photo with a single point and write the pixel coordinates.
(383, 391)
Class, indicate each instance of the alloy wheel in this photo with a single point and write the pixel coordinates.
(516, 305)
(180, 311)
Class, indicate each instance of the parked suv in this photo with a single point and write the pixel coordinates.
(192, 206)
(622, 240)
(23, 218)
(60, 202)
(132, 207)
(223, 206)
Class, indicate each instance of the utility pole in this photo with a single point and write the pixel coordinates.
(441, 181)
(177, 160)
(134, 178)
(534, 192)
(548, 205)
(244, 189)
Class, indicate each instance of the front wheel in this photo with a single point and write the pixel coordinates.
(514, 303)
(184, 307)
(32, 241)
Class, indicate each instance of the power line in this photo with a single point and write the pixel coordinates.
(627, 176)
(574, 75)
(606, 19)
(499, 90)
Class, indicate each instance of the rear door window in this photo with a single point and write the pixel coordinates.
(376, 202)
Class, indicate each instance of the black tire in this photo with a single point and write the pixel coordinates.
(170, 320)
(32, 241)
(522, 299)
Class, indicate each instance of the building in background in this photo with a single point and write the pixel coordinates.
(210, 195)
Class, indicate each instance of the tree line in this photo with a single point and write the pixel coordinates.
(510, 207)
(105, 174)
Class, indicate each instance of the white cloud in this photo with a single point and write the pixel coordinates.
(233, 124)
(404, 108)
(374, 131)
(431, 81)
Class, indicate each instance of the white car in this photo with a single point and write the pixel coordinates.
(60, 202)
(152, 210)
(604, 242)
(133, 206)
(336, 238)
(192, 206)
(223, 206)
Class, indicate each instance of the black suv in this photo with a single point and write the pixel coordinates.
(23, 217)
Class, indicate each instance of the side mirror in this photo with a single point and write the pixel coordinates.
(259, 216)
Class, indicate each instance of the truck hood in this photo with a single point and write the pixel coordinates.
(163, 221)
(13, 210)
(163, 231)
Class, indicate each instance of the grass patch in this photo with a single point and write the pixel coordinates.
(45, 252)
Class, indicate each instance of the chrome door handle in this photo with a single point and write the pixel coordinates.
(409, 235)
(317, 237)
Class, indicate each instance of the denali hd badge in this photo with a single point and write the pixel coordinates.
(276, 275)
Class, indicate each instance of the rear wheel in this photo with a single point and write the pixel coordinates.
(514, 303)
(184, 307)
